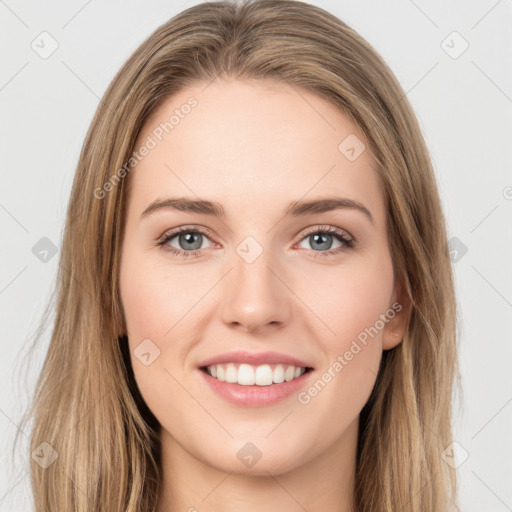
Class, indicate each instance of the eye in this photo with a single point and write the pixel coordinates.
(320, 240)
(189, 238)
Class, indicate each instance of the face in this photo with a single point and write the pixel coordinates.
(315, 284)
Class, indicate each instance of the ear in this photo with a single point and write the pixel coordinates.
(398, 317)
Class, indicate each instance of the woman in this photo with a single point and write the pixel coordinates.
(301, 353)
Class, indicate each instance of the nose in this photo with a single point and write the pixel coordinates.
(256, 297)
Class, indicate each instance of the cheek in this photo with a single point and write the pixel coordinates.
(359, 296)
(159, 305)
(152, 305)
(349, 299)
(352, 310)
(153, 295)
(144, 306)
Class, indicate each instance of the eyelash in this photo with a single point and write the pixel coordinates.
(342, 236)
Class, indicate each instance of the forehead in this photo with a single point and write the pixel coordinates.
(252, 144)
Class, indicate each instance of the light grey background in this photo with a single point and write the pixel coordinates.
(464, 105)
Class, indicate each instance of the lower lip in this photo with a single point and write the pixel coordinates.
(255, 396)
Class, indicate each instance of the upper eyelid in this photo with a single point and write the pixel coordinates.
(327, 228)
(171, 233)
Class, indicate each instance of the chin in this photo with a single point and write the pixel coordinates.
(256, 457)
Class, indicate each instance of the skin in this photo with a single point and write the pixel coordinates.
(255, 147)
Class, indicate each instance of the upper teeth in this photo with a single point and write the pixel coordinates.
(248, 375)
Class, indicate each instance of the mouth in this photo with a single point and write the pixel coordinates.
(252, 375)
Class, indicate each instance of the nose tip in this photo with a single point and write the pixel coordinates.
(254, 298)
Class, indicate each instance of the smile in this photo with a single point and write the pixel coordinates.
(249, 375)
(263, 391)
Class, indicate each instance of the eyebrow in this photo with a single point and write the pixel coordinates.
(294, 209)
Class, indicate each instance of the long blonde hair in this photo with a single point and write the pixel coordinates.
(86, 405)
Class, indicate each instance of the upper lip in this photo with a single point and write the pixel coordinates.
(254, 359)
